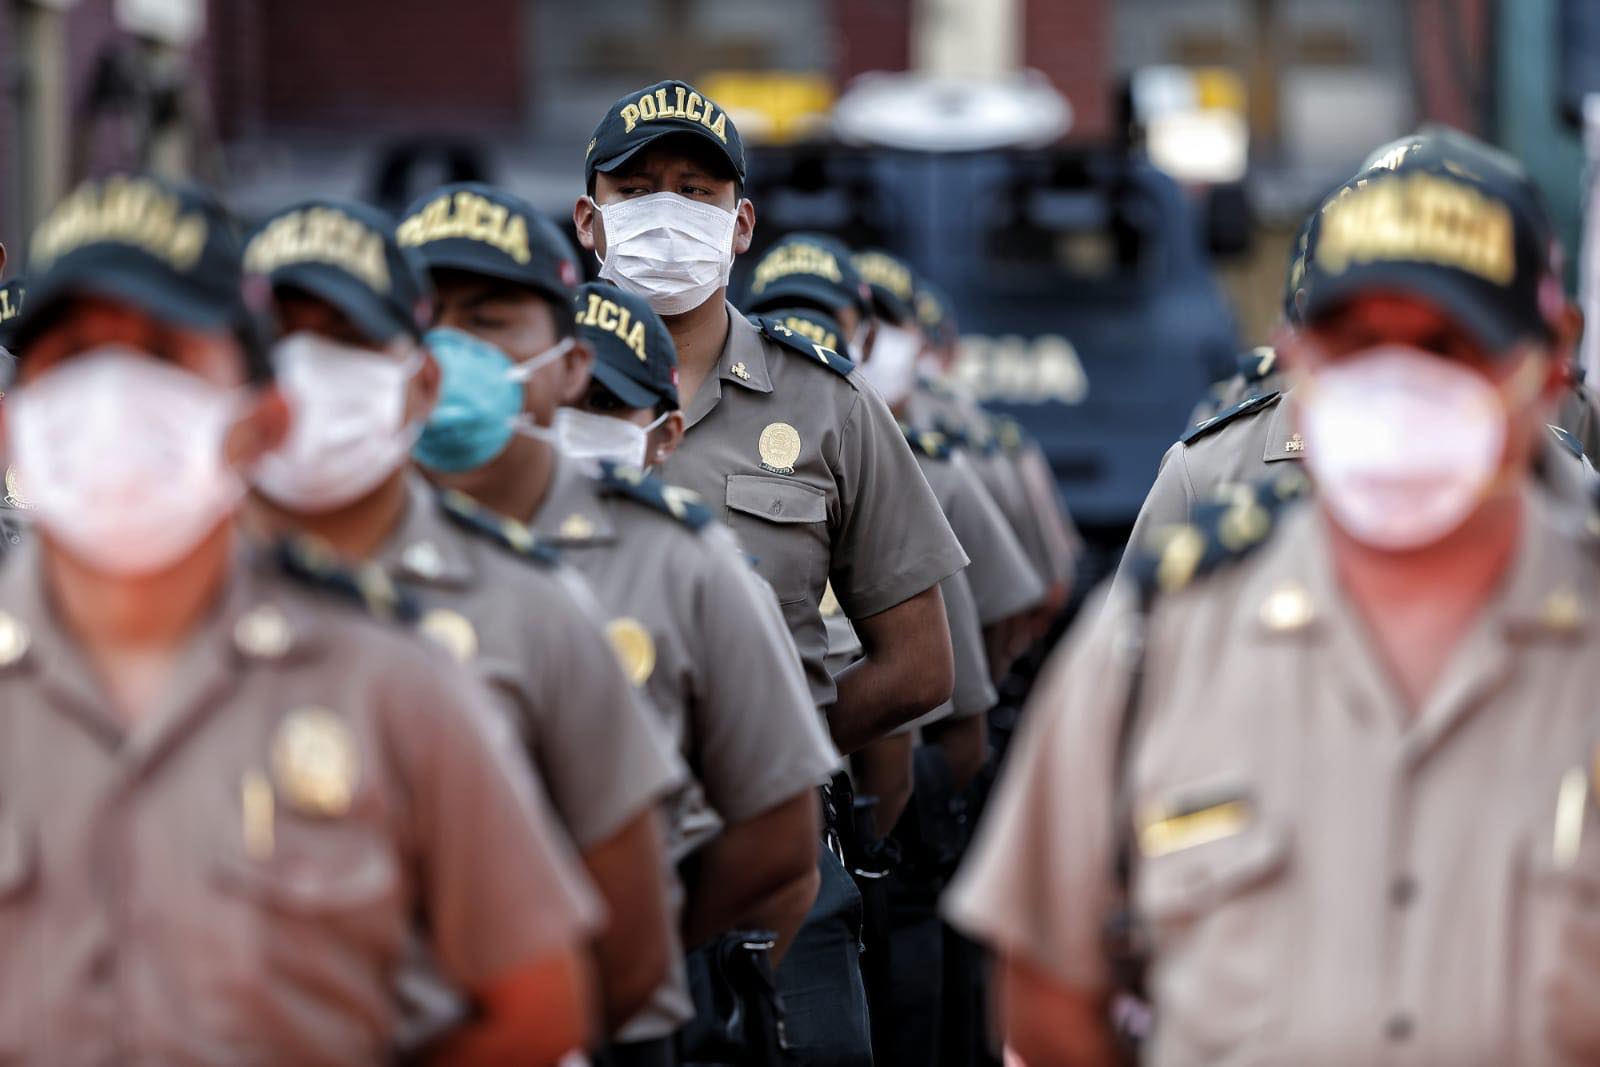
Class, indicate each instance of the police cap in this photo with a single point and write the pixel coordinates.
(634, 355)
(645, 115)
(469, 226)
(808, 268)
(346, 254)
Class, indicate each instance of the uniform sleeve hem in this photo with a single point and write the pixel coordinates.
(919, 578)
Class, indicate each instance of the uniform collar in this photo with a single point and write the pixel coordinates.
(743, 362)
(426, 547)
(1282, 440)
(573, 512)
(249, 623)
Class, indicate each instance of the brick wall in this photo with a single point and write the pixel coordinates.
(1071, 42)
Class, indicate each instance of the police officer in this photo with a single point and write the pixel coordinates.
(229, 802)
(1256, 438)
(804, 462)
(1346, 796)
(689, 622)
(347, 300)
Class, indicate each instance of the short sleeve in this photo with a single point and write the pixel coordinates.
(500, 886)
(602, 750)
(974, 690)
(1037, 882)
(1004, 582)
(1057, 534)
(1167, 503)
(892, 541)
(759, 737)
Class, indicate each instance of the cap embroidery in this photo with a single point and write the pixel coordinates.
(685, 104)
(471, 216)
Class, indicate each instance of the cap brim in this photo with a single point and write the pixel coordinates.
(139, 287)
(1498, 333)
(438, 257)
(631, 392)
(611, 163)
(370, 314)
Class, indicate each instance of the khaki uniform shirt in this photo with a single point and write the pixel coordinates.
(1017, 476)
(532, 631)
(237, 879)
(1250, 447)
(809, 468)
(1003, 581)
(701, 636)
(1326, 876)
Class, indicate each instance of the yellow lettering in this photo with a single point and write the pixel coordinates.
(607, 318)
(472, 217)
(124, 210)
(680, 106)
(1424, 218)
(647, 107)
(630, 117)
(635, 340)
(515, 241)
(720, 127)
(663, 108)
(691, 110)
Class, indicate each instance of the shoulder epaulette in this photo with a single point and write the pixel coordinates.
(775, 331)
(1220, 531)
(930, 443)
(1567, 440)
(1222, 418)
(1257, 363)
(365, 584)
(505, 532)
(682, 504)
(1009, 434)
(959, 437)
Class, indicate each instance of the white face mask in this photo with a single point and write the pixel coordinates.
(892, 369)
(673, 251)
(1403, 446)
(348, 433)
(121, 457)
(585, 435)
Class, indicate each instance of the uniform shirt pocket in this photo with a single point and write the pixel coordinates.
(1219, 930)
(783, 524)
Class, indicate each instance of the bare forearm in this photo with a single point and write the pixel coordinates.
(883, 770)
(1050, 1026)
(749, 865)
(632, 951)
(908, 671)
(535, 1017)
(784, 910)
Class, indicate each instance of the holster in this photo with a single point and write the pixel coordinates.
(738, 1016)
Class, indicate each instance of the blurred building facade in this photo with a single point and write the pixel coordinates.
(273, 99)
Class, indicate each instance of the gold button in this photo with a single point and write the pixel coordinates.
(263, 632)
(423, 559)
(1287, 608)
(635, 649)
(452, 630)
(1562, 611)
(577, 527)
(13, 639)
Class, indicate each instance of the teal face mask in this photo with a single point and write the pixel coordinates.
(480, 400)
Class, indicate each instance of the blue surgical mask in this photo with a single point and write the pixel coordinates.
(480, 400)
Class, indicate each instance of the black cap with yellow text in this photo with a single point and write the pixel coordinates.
(643, 116)
(345, 254)
(1448, 219)
(634, 354)
(892, 282)
(811, 268)
(477, 228)
(815, 326)
(169, 250)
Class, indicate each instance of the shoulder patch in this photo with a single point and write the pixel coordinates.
(1009, 434)
(1222, 418)
(777, 332)
(617, 479)
(507, 533)
(930, 443)
(1567, 440)
(1220, 532)
(961, 438)
(364, 584)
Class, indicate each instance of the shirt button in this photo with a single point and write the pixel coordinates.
(1402, 890)
(1398, 1028)
(777, 507)
(101, 964)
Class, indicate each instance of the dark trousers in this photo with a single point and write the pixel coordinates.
(824, 1002)
(662, 1052)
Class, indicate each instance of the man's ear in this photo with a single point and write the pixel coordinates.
(576, 364)
(423, 392)
(1568, 331)
(583, 220)
(665, 439)
(744, 227)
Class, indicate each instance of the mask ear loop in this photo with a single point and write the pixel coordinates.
(523, 423)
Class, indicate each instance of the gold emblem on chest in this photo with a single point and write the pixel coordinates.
(779, 447)
(452, 630)
(634, 648)
(314, 762)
